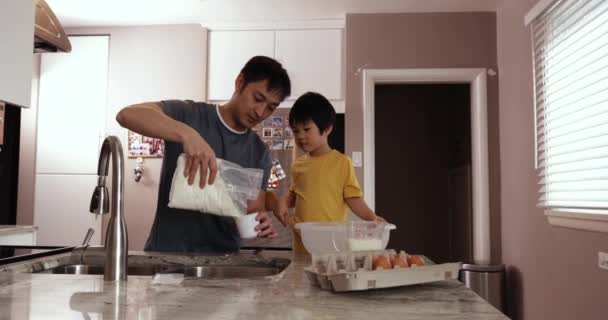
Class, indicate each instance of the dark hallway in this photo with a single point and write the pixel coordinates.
(423, 167)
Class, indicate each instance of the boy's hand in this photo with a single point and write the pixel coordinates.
(379, 219)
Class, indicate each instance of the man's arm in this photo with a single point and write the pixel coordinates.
(149, 119)
(359, 207)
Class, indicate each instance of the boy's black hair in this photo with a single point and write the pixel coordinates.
(264, 68)
(314, 107)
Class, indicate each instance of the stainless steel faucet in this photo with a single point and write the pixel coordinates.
(116, 236)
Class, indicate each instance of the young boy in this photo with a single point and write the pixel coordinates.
(323, 181)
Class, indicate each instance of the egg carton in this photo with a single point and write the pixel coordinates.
(353, 271)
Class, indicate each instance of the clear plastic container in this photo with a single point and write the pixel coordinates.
(331, 237)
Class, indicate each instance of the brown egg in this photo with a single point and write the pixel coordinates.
(381, 262)
(397, 261)
(415, 260)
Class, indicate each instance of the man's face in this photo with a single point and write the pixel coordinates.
(254, 102)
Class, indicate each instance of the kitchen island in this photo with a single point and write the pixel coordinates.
(287, 295)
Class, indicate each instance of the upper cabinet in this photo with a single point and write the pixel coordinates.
(228, 53)
(16, 55)
(313, 59)
(72, 107)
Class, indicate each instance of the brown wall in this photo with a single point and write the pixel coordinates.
(553, 271)
(423, 40)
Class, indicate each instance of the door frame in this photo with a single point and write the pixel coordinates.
(477, 79)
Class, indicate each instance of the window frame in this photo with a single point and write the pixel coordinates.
(590, 220)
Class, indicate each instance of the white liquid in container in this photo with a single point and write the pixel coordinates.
(364, 244)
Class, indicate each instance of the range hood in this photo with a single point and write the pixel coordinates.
(48, 32)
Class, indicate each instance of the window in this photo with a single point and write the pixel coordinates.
(570, 52)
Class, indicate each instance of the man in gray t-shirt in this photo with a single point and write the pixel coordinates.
(204, 132)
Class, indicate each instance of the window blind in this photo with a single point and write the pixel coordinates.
(570, 58)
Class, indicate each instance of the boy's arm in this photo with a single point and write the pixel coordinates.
(354, 197)
(358, 206)
(149, 119)
(269, 201)
(290, 199)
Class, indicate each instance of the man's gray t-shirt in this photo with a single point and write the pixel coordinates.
(192, 231)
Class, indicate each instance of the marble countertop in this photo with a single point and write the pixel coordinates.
(287, 295)
(11, 229)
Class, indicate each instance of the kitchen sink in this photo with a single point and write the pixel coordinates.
(227, 272)
(204, 267)
(91, 260)
(90, 269)
(205, 272)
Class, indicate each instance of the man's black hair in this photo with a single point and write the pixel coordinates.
(264, 68)
(314, 107)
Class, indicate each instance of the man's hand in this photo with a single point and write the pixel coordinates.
(198, 153)
(264, 227)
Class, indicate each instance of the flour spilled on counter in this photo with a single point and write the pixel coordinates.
(168, 278)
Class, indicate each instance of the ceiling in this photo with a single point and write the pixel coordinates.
(75, 13)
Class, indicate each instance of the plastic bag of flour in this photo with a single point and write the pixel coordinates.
(227, 196)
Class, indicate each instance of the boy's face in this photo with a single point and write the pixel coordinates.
(308, 137)
(254, 102)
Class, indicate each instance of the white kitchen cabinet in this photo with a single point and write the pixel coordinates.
(71, 125)
(72, 107)
(61, 209)
(228, 53)
(17, 41)
(313, 59)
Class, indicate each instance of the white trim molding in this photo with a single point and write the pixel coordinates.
(275, 25)
(537, 10)
(578, 220)
(476, 77)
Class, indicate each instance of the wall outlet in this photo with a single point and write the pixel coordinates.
(602, 260)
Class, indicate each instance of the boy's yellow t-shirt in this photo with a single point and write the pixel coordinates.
(320, 185)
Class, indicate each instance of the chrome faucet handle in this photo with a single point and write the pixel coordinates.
(138, 171)
(88, 237)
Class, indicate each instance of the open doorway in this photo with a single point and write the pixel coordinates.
(480, 194)
(423, 167)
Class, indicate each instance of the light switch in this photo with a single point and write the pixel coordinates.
(602, 260)
(357, 159)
